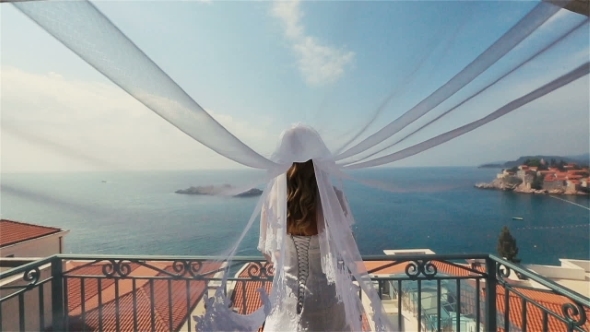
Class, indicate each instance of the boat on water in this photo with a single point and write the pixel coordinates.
(518, 218)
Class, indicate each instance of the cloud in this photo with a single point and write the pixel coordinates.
(320, 64)
(53, 123)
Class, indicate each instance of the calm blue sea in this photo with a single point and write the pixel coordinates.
(436, 208)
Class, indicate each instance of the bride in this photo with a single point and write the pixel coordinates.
(312, 299)
(306, 232)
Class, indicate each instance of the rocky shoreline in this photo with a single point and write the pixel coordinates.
(513, 185)
(218, 190)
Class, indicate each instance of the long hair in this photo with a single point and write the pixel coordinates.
(302, 199)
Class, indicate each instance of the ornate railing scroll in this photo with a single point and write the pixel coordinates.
(260, 271)
(425, 266)
(253, 276)
(116, 268)
(421, 267)
(22, 290)
(572, 315)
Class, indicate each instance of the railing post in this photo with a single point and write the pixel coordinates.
(490, 305)
(57, 294)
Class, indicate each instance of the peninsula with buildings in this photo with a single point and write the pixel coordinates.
(537, 176)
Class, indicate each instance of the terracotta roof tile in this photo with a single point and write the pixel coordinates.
(12, 232)
(133, 305)
(245, 297)
(534, 316)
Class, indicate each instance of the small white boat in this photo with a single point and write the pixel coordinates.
(518, 218)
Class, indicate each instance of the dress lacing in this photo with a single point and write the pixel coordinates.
(302, 250)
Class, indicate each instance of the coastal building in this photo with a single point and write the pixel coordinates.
(527, 175)
(18, 239)
(504, 174)
(571, 273)
(570, 180)
(545, 172)
(553, 183)
(572, 185)
(20, 242)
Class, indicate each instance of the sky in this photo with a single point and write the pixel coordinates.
(257, 67)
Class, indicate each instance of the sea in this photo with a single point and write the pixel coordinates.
(139, 213)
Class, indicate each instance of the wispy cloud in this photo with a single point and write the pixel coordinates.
(73, 125)
(318, 62)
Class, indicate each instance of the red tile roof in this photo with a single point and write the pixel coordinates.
(571, 177)
(12, 232)
(245, 297)
(534, 315)
(576, 171)
(131, 299)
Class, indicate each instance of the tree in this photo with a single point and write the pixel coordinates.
(533, 162)
(507, 246)
(537, 182)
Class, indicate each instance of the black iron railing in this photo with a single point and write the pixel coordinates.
(142, 293)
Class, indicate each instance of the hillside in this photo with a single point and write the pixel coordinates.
(579, 159)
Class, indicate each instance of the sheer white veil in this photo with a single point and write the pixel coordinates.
(340, 257)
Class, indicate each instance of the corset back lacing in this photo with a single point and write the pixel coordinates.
(302, 250)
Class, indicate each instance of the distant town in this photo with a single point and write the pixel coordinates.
(538, 176)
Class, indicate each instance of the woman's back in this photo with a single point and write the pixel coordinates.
(311, 303)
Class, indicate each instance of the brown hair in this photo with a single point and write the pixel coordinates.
(302, 199)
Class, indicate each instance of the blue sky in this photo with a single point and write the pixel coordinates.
(259, 66)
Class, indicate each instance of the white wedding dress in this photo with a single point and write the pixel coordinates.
(317, 279)
(312, 304)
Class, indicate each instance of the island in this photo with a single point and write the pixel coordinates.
(218, 190)
(536, 176)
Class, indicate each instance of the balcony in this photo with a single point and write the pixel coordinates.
(422, 292)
